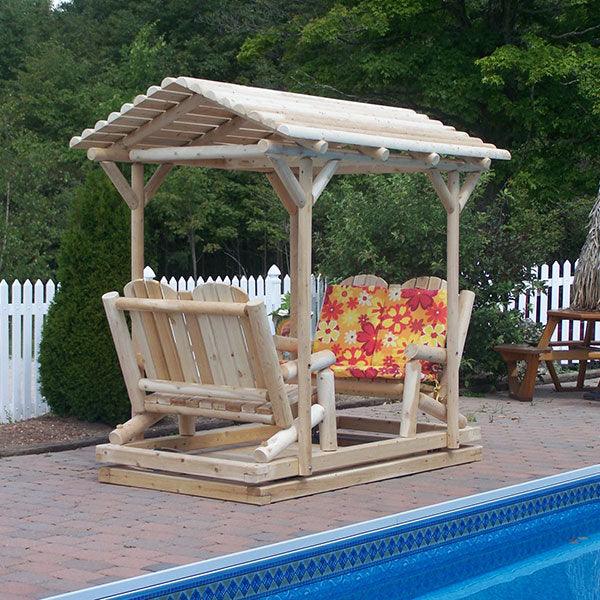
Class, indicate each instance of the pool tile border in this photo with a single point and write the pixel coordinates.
(268, 576)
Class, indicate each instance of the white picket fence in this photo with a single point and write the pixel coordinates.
(23, 308)
(22, 314)
(535, 304)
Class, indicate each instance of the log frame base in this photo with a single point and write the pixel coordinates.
(219, 463)
(287, 489)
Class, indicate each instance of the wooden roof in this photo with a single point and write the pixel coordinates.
(196, 113)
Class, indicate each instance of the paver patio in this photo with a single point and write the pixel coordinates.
(61, 530)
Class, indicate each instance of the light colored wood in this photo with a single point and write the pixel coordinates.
(436, 409)
(303, 321)
(137, 222)
(323, 178)
(289, 181)
(297, 487)
(221, 436)
(269, 362)
(276, 444)
(428, 353)
(351, 476)
(428, 283)
(285, 344)
(169, 408)
(387, 449)
(154, 357)
(125, 352)
(197, 342)
(365, 280)
(209, 391)
(318, 361)
(232, 309)
(133, 428)
(118, 180)
(381, 154)
(108, 155)
(161, 121)
(410, 399)
(452, 326)
(156, 180)
(439, 185)
(282, 193)
(326, 399)
(429, 158)
(294, 276)
(471, 181)
(188, 464)
(224, 336)
(189, 369)
(320, 146)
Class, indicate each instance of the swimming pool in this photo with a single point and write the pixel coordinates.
(535, 540)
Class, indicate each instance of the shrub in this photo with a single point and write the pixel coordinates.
(79, 371)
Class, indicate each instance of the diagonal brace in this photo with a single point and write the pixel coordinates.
(120, 183)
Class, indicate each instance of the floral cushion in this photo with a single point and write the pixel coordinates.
(368, 328)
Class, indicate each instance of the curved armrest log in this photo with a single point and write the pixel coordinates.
(285, 344)
(318, 361)
(428, 353)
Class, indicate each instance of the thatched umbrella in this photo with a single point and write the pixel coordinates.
(586, 284)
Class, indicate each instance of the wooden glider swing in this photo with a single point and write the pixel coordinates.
(211, 353)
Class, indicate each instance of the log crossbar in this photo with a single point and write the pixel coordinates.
(192, 307)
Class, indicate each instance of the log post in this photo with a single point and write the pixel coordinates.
(303, 322)
(137, 221)
(452, 335)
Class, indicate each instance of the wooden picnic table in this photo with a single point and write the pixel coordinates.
(548, 351)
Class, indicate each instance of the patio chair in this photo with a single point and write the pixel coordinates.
(398, 355)
(210, 353)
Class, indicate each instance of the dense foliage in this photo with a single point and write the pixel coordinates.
(523, 75)
(79, 371)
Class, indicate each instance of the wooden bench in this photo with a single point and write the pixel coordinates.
(548, 352)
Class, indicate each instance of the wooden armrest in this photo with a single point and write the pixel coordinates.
(285, 344)
(521, 349)
(428, 353)
(318, 361)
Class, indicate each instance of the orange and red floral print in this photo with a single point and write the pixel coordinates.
(368, 328)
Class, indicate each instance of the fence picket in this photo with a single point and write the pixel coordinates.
(16, 362)
(5, 395)
(39, 310)
(27, 404)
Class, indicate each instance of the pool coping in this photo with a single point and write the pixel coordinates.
(271, 551)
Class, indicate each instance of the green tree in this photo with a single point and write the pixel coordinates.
(79, 371)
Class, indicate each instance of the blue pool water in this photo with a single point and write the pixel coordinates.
(537, 540)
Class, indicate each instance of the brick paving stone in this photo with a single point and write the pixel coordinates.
(61, 530)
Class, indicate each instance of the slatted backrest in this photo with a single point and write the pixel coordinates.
(240, 351)
(365, 280)
(426, 283)
(232, 350)
(161, 339)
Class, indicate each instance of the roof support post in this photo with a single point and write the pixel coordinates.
(137, 221)
(452, 335)
(303, 322)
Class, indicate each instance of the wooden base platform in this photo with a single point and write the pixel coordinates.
(221, 464)
(287, 489)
